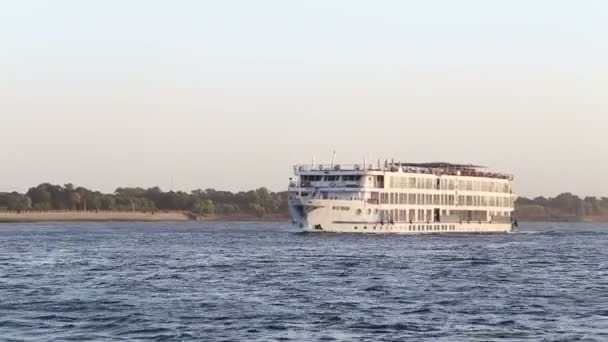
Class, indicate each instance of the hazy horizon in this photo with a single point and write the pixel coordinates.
(229, 95)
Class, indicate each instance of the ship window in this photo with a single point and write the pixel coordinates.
(355, 227)
(350, 178)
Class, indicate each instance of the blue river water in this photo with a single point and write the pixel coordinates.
(269, 282)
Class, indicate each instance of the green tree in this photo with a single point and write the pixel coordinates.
(203, 207)
(41, 197)
(14, 201)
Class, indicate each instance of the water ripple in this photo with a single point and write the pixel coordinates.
(267, 282)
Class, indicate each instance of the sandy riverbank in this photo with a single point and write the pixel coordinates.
(132, 216)
(48, 216)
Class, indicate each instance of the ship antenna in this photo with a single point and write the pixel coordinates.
(333, 159)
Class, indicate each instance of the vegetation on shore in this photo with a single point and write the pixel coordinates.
(564, 207)
(260, 203)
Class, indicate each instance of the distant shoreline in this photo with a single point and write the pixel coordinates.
(586, 219)
(126, 216)
(51, 202)
(183, 216)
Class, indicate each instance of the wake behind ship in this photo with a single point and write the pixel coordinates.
(404, 198)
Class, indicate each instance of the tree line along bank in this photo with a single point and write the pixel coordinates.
(47, 197)
(260, 202)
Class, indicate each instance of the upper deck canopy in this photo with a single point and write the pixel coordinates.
(441, 165)
(438, 168)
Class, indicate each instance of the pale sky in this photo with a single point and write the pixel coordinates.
(230, 94)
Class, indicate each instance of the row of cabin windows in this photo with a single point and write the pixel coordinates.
(412, 228)
(410, 215)
(429, 215)
(445, 199)
(485, 201)
(404, 182)
(485, 186)
(330, 178)
(420, 199)
(408, 182)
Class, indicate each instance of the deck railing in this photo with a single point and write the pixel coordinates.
(455, 171)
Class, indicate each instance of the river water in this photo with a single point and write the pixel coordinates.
(268, 282)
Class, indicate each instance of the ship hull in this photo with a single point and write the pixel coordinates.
(321, 216)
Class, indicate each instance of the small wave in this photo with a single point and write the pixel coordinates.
(348, 263)
(145, 331)
(375, 288)
(480, 261)
(417, 311)
(379, 328)
(279, 327)
(55, 317)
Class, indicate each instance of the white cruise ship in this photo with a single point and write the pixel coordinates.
(401, 198)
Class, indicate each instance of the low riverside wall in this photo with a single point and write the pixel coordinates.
(73, 215)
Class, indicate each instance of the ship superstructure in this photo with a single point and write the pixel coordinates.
(405, 198)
